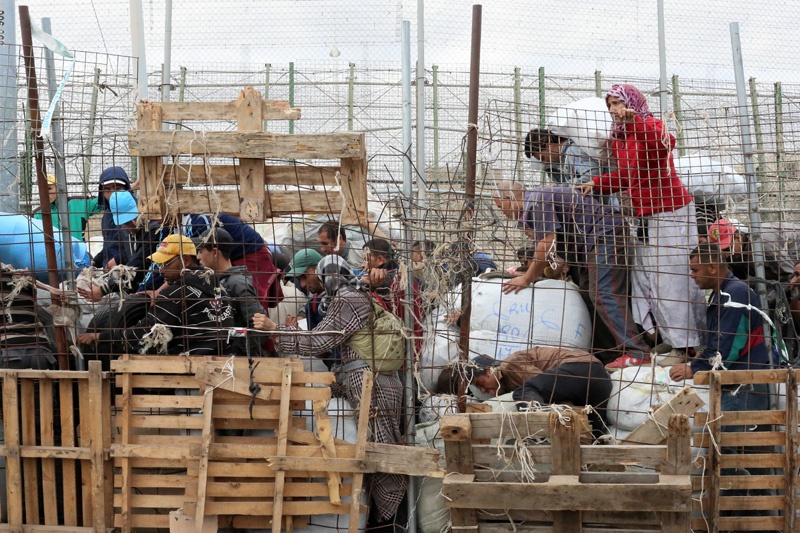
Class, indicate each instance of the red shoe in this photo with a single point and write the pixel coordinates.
(624, 361)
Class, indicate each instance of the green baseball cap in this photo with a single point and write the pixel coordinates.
(307, 257)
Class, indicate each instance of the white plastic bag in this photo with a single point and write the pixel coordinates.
(634, 390)
(709, 179)
(588, 123)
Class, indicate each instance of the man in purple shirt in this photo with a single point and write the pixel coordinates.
(593, 239)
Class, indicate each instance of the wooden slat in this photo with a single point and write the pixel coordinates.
(750, 460)
(292, 175)
(47, 435)
(280, 202)
(45, 374)
(566, 493)
(205, 448)
(152, 480)
(50, 452)
(651, 456)
(271, 110)
(353, 180)
(251, 183)
(257, 489)
(250, 145)
(97, 429)
(139, 401)
(456, 430)
(29, 466)
(745, 482)
(678, 463)
(66, 408)
(743, 523)
(565, 454)
(126, 489)
(751, 503)
(686, 402)
(283, 441)
(328, 446)
(14, 495)
(714, 460)
(736, 418)
(47, 529)
(159, 365)
(487, 425)
(151, 169)
(739, 377)
(792, 445)
(749, 438)
(367, 379)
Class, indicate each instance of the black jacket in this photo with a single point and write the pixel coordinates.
(238, 284)
(196, 311)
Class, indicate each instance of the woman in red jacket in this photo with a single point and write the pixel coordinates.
(663, 295)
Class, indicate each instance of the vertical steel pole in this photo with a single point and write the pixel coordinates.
(181, 94)
(435, 76)
(598, 84)
(780, 147)
(138, 47)
(762, 163)
(662, 62)
(469, 196)
(351, 90)
(542, 112)
(89, 146)
(9, 164)
(267, 73)
(749, 167)
(420, 158)
(62, 193)
(518, 167)
(166, 85)
(291, 93)
(41, 174)
(680, 136)
(409, 289)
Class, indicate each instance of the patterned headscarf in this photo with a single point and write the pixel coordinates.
(335, 273)
(632, 98)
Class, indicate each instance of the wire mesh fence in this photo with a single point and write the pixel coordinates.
(444, 246)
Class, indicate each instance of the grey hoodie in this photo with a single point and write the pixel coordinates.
(238, 283)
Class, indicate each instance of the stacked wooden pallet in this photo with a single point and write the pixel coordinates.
(519, 484)
(198, 434)
(250, 173)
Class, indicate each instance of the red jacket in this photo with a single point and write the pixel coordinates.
(645, 169)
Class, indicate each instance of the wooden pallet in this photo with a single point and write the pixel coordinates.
(56, 431)
(487, 489)
(778, 451)
(308, 164)
(186, 440)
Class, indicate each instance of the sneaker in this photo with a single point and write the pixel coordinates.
(672, 358)
(624, 361)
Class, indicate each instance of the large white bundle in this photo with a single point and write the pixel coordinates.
(432, 512)
(552, 314)
(709, 179)
(497, 345)
(634, 391)
(587, 122)
(439, 349)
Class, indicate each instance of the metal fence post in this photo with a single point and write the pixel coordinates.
(680, 137)
(780, 147)
(518, 121)
(761, 170)
(598, 83)
(291, 93)
(435, 76)
(351, 80)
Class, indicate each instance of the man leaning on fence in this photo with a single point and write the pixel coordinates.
(735, 339)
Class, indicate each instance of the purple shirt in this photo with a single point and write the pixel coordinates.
(574, 218)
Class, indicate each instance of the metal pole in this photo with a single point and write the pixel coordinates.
(87, 149)
(181, 94)
(779, 145)
(435, 76)
(420, 159)
(166, 85)
(409, 289)
(542, 112)
(598, 83)
(62, 193)
(351, 80)
(267, 72)
(662, 62)
(469, 190)
(26, 169)
(518, 122)
(9, 189)
(760, 170)
(406, 93)
(41, 177)
(749, 167)
(678, 110)
(291, 93)
(138, 48)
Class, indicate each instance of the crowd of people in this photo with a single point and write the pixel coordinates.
(650, 277)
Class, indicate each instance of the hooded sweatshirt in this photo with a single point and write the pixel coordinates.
(194, 300)
(116, 242)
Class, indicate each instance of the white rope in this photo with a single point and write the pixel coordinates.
(158, 337)
(227, 370)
